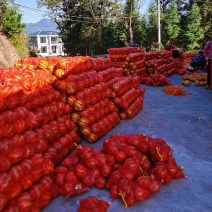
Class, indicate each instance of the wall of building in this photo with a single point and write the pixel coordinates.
(48, 45)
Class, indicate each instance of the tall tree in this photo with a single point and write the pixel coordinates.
(205, 11)
(152, 26)
(165, 4)
(193, 32)
(140, 35)
(131, 17)
(103, 13)
(171, 24)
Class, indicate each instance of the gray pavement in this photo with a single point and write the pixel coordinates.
(185, 122)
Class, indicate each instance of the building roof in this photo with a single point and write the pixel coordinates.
(44, 33)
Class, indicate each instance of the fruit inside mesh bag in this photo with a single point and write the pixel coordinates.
(91, 203)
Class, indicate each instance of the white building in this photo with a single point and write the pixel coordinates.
(48, 43)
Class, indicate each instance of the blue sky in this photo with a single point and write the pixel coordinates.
(31, 14)
(29, 10)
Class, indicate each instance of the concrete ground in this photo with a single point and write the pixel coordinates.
(185, 122)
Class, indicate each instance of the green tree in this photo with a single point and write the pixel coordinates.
(103, 13)
(171, 24)
(193, 32)
(12, 27)
(3, 10)
(132, 20)
(140, 34)
(205, 11)
(92, 26)
(114, 34)
(84, 24)
(11, 24)
(152, 27)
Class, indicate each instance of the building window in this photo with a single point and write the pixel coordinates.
(43, 39)
(53, 39)
(43, 49)
(54, 49)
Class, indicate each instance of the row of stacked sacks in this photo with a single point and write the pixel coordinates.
(90, 90)
(84, 89)
(127, 96)
(132, 166)
(150, 66)
(118, 55)
(153, 67)
(79, 80)
(36, 134)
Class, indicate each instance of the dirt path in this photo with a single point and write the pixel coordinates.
(8, 54)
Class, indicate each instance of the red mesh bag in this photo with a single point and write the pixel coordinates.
(24, 201)
(14, 190)
(159, 172)
(4, 163)
(140, 142)
(159, 149)
(3, 200)
(127, 98)
(114, 178)
(6, 182)
(91, 203)
(78, 189)
(68, 182)
(174, 170)
(27, 180)
(141, 193)
(100, 182)
(134, 107)
(88, 179)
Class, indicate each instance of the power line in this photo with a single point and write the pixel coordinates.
(91, 18)
(28, 8)
(84, 17)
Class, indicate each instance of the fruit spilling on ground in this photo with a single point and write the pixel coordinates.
(199, 79)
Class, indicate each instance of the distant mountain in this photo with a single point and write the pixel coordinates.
(44, 24)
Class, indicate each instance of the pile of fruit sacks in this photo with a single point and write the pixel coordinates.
(132, 167)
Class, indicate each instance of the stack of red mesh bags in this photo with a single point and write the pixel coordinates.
(36, 134)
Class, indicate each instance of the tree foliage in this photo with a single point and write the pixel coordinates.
(90, 27)
(3, 10)
(171, 24)
(193, 32)
(11, 23)
(152, 26)
(205, 12)
(131, 17)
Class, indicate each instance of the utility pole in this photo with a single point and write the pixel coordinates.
(159, 33)
(131, 31)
